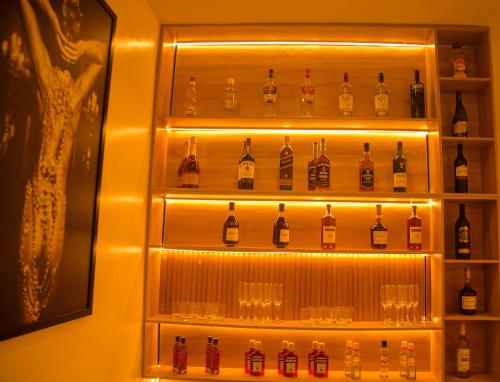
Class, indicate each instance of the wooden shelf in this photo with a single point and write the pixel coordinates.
(474, 261)
(466, 197)
(469, 141)
(472, 378)
(475, 317)
(464, 84)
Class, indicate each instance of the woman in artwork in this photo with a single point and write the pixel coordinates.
(62, 84)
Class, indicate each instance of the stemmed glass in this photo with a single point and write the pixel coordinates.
(277, 299)
(243, 298)
(254, 299)
(414, 301)
(385, 300)
(267, 296)
(401, 299)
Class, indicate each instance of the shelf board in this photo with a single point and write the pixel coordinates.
(472, 378)
(475, 317)
(473, 261)
(469, 141)
(466, 197)
(464, 84)
(290, 325)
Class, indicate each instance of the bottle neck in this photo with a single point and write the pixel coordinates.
(322, 149)
(192, 149)
(462, 212)
(460, 152)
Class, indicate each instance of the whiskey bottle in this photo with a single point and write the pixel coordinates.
(281, 357)
(403, 359)
(381, 97)
(208, 355)
(281, 230)
(399, 170)
(191, 99)
(346, 100)
(463, 354)
(384, 360)
(248, 356)
(270, 92)
(414, 235)
(321, 362)
(307, 99)
(322, 169)
(462, 236)
(417, 97)
(246, 169)
(230, 98)
(180, 170)
(348, 359)
(411, 372)
(291, 362)
(175, 354)
(458, 58)
(191, 173)
(460, 117)
(366, 171)
(311, 356)
(355, 361)
(461, 171)
(311, 169)
(231, 229)
(182, 356)
(328, 229)
(467, 296)
(286, 166)
(257, 361)
(378, 232)
(215, 357)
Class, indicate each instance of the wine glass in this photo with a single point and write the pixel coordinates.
(385, 301)
(242, 299)
(254, 299)
(415, 301)
(267, 296)
(277, 299)
(391, 300)
(402, 297)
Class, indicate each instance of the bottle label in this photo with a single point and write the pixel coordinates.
(384, 362)
(346, 104)
(411, 362)
(311, 177)
(308, 90)
(463, 235)
(381, 104)
(286, 165)
(464, 251)
(329, 234)
(247, 169)
(320, 366)
(284, 235)
(463, 360)
(459, 67)
(415, 235)
(256, 366)
(323, 175)
(191, 179)
(460, 127)
(461, 172)
(400, 179)
(469, 302)
(290, 364)
(380, 237)
(232, 234)
(367, 178)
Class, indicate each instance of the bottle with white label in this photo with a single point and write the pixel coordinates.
(467, 296)
(379, 232)
(384, 360)
(460, 117)
(231, 229)
(463, 354)
(281, 230)
(328, 229)
(348, 359)
(403, 359)
(399, 170)
(414, 231)
(411, 373)
(458, 60)
(246, 168)
(381, 97)
(356, 361)
(461, 171)
(346, 100)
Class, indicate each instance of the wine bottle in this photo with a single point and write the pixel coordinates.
(246, 168)
(461, 171)
(180, 170)
(417, 97)
(381, 97)
(414, 234)
(378, 232)
(366, 171)
(462, 236)
(286, 166)
(460, 117)
(328, 229)
(346, 100)
(399, 170)
(311, 169)
(231, 229)
(463, 354)
(281, 230)
(322, 169)
(191, 173)
(467, 296)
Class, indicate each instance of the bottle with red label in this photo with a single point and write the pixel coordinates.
(291, 362)
(414, 234)
(310, 358)
(281, 357)
(257, 361)
(321, 362)
(182, 356)
(248, 355)
(215, 357)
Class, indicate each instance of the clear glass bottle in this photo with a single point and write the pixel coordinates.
(356, 361)
(384, 360)
(348, 359)
(286, 166)
(191, 99)
(403, 359)
(308, 96)
(458, 61)
(230, 98)
(270, 92)
(328, 229)
(399, 170)
(366, 170)
(411, 373)
(346, 99)
(381, 97)
(463, 354)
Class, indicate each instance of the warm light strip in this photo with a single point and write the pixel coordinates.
(304, 43)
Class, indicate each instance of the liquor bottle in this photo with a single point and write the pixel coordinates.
(461, 173)
(281, 357)
(346, 100)
(322, 168)
(381, 97)
(460, 117)
(310, 358)
(182, 356)
(403, 359)
(286, 166)
(191, 99)
(355, 361)
(348, 359)
(239, 163)
(215, 357)
(378, 232)
(384, 360)
(291, 362)
(462, 236)
(270, 92)
(248, 355)
(257, 361)
(399, 170)
(463, 354)
(191, 173)
(321, 362)
(414, 235)
(231, 229)
(208, 355)
(246, 169)
(175, 354)
(467, 297)
(311, 169)
(417, 97)
(411, 372)
(230, 98)
(307, 98)
(180, 170)
(458, 58)
(281, 231)
(366, 171)
(328, 229)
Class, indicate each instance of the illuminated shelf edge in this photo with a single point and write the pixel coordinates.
(472, 261)
(475, 317)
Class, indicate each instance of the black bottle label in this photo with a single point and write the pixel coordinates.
(367, 178)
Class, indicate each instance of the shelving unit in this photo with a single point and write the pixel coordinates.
(187, 262)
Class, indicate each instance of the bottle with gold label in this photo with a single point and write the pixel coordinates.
(467, 297)
(399, 170)
(462, 236)
(191, 172)
(281, 230)
(366, 171)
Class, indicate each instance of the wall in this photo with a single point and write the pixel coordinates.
(107, 345)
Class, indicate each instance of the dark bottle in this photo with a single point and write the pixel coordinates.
(460, 117)
(311, 169)
(215, 357)
(231, 229)
(366, 171)
(399, 170)
(414, 233)
(417, 97)
(182, 356)
(281, 230)
(208, 355)
(379, 232)
(175, 354)
(246, 168)
(322, 168)
(286, 166)
(461, 182)
(191, 173)
(467, 297)
(462, 236)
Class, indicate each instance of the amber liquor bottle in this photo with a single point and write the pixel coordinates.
(191, 173)
(328, 229)
(414, 235)
(379, 232)
(286, 166)
(246, 168)
(231, 228)
(399, 170)
(180, 170)
(467, 297)
(322, 168)
(281, 230)
(366, 171)
(311, 169)
(462, 236)
(461, 171)
(291, 368)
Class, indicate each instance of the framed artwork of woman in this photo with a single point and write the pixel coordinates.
(55, 67)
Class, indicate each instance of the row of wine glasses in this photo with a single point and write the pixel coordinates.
(260, 302)
(203, 311)
(326, 315)
(400, 304)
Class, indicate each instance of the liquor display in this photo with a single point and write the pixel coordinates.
(291, 364)
(384, 360)
(414, 236)
(230, 98)
(191, 172)
(322, 169)
(246, 167)
(462, 236)
(191, 99)
(463, 354)
(328, 229)
(180, 170)
(311, 356)
(307, 95)
(321, 362)
(467, 297)
(461, 171)
(281, 230)
(286, 166)
(459, 123)
(379, 232)
(346, 99)
(270, 92)
(399, 170)
(403, 359)
(458, 60)
(417, 97)
(366, 170)
(381, 97)
(311, 169)
(231, 229)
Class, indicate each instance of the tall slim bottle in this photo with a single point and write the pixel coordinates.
(191, 99)
(462, 236)
(215, 357)
(246, 168)
(322, 169)
(281, 230)
(328, 229)
(381, 97)
(308, 96)
(417, 97)
(286, 166)
(208, 355)
(348, 359)
(384, 360)
(414, 233)
(403, 359)
(346, 99)
(463, 354)
(182, 356)
(366, 171)
(311, 169)
(180, 170)
(399, 181)
(175, 354)
(191, 173)
(460, 117)
(461, 171)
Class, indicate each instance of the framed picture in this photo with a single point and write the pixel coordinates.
(55, 66)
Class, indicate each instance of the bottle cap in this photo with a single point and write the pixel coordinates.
(328, 207)
(291, 346)
(282, 207)
(230, 82)
(411, 346)
(271, 72)
(404, 344)
(216, 341)
(367, 146)
(348, 344)
(287, 139)
(321, 346)
(183, 340)
(192, 79)
(417, 75)
(192, 140)
(383, 343)
(414, 209)
(258, 345)
(355, 345)
(379, 210)
(249, 140)
(346, 77)
(177, 338)
(315, 345)
(251, 344)
(284, 344)
(381, 77)
(400, 144)
(308, 72)
(210, 339)
(231, 206)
